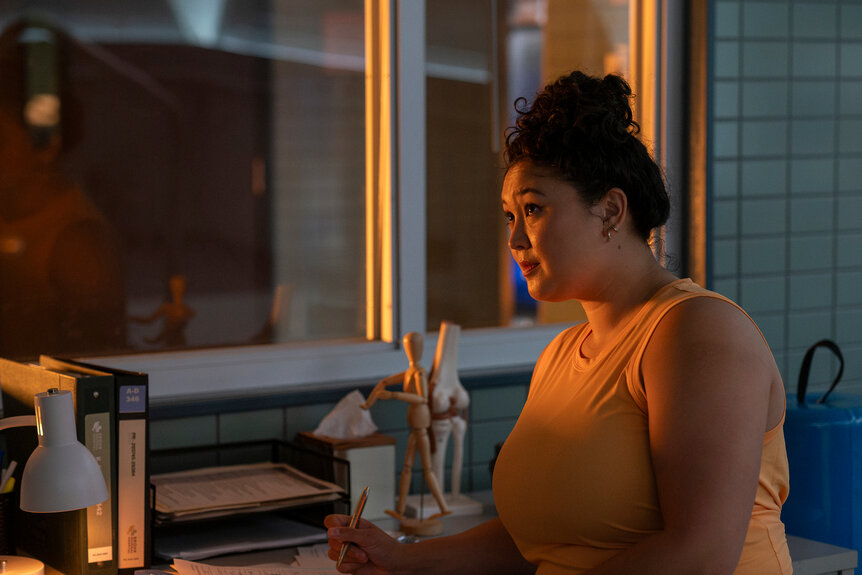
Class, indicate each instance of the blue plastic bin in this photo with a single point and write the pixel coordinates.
(824, 450)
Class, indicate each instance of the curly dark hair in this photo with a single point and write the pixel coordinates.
(582, 126)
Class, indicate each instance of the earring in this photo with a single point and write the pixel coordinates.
(614, 228)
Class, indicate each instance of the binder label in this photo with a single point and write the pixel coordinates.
(98, 441)
(99, 554)
(132, 489)
(133, 398)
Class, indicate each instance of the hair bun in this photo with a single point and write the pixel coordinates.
(604, 105)
(618, 99)
(583, 126)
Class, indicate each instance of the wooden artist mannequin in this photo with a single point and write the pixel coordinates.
(415, 394)
(449, 399)
(175, 315)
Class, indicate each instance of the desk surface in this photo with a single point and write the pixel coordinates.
(813, 557)
(809, 557)
(451, 524)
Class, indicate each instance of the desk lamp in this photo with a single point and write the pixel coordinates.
(61, 474)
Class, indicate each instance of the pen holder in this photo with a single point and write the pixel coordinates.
(8, 504)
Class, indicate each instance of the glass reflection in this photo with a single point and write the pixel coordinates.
(199, 183)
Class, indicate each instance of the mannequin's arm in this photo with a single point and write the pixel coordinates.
(380, 392)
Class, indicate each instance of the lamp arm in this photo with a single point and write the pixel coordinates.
(17, 421)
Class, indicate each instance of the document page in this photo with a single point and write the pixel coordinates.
(314, 557)
(189, 568)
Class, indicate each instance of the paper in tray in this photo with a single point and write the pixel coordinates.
(235, 535)
(217, 491)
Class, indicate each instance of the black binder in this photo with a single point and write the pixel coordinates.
(134, 533)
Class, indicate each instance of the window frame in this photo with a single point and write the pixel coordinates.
(234, 372)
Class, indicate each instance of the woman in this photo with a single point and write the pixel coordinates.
(61, 266)
(652, 436)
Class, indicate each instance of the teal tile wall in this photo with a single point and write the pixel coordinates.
(785, 192)
(812, 176)
(811, 291)
(813, 97)
(765, 19)
(252, 425)
(764, 59)
(491, 416)
(764, 98)
(849, 174)
(814, 60)
(815, 20)
(850, 101)
(761, 178)
(851, 59)
(726, 99)
(725, 178)
(763, 294)
(305, 417)
(766, 216)
(184, 432)
(812, 215)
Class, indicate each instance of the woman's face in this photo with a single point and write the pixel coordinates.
(553, 234)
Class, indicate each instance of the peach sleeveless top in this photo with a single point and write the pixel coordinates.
(574, 482)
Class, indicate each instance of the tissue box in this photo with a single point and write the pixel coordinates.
(372, 463)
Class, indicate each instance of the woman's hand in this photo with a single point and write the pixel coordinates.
(486, 549)
(372, 552)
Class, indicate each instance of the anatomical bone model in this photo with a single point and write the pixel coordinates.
(449, 400)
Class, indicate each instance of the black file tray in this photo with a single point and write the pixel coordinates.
(320, 465)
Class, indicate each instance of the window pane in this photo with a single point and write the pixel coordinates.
(203, 184)
(481, 56)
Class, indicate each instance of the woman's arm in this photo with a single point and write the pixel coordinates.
(485, 549)
(708, 379)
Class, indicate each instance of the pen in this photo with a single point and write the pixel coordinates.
(7, 474)
(9, 486)
(354, 520)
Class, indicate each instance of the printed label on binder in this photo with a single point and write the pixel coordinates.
(133, 398)
(98, 441)
(132, 488)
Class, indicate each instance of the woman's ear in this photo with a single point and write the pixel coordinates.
(614, 206)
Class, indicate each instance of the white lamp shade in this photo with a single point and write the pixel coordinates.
(61, 474)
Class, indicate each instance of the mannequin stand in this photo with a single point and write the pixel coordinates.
(421, 527)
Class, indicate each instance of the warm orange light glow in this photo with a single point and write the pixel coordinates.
(378, 171)
(697, 153)
(643, 55)
(643, 78)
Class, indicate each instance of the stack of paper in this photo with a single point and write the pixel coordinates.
(227, 490)
(234, 535)
(314, 557)
(189, 568)
(309, 559)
